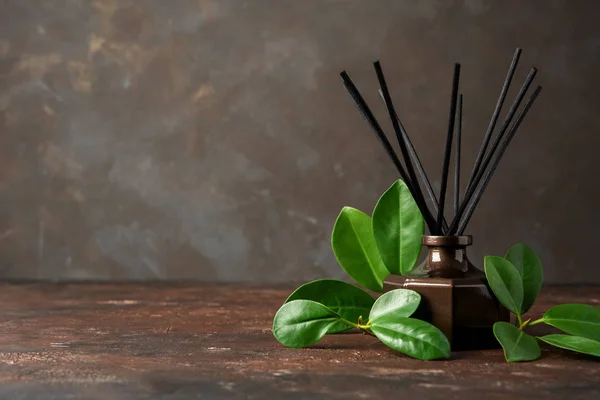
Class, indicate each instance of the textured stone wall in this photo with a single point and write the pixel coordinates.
(213, 140)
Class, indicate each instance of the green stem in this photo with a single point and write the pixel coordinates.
(352, 324)
(537, 321)
(363, 328)
(519, 319)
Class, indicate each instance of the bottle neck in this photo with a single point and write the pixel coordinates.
(447, 256)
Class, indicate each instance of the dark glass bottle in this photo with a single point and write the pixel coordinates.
(456, 296)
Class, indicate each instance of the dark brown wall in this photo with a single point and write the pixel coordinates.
(213, 140)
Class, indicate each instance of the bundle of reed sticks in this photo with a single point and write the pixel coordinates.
(489, 155)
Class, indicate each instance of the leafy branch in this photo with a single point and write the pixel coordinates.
(301, 323)
(516, 280)
(368, 249)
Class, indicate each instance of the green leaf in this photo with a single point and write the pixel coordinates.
(355, 249)
(398, 227)
(576, 319)
(301, 323)
(505, 281)
(530, 267)
(348, 301)
(412, 337)
(395, 304)
(574, 343)
(517, 345)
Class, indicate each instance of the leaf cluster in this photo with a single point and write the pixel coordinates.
(368, 248)
(516, 280)
(328, 306)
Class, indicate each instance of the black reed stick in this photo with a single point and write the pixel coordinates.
(372, 121)
(457, 155)
(488, 157)
(374, 126)
(488, 174)
(403, 147)
(417, 161)
(448, 151)
(495, 115)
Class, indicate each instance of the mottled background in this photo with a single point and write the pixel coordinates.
(212, 140)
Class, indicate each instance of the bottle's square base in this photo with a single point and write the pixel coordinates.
(464, 309)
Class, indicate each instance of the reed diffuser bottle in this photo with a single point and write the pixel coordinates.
(457, 298)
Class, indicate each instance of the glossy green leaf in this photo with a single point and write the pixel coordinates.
(505, 281)
(517, 345)
(395, 304)
(573, 343)
(398, 228)
(576, 319)
(348, 301)
(301, 323)
(530, 267)
(355, 249)
(412, 337)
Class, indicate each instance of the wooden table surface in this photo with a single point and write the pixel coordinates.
(175, 341)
